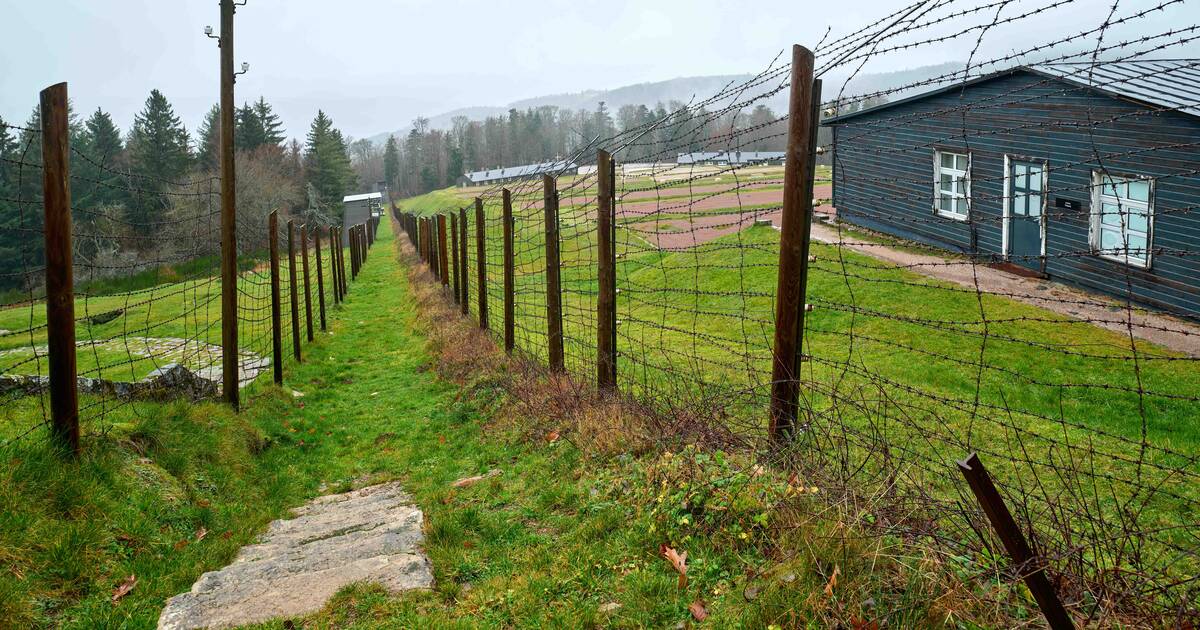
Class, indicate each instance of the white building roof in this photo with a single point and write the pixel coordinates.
(374, 195)
(481, 177)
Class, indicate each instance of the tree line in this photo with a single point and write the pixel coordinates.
(428, 158)
(128, 188)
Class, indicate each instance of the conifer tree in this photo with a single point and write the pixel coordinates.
(272, 126)
(159, 152)
(100, 182)
(391, 162)
(326, 163)
(209, 145)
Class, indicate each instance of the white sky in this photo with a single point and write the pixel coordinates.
(375, 65)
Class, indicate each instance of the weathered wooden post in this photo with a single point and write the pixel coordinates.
(353, 243)
(454, 256)
(276, 307)
(443, 263)
(510, 308)
(793, 244)
(60, 269)
(295, 294)
(466, 274)
(320, 277)
(554, 332)
(481, 256)
(1014, 542)
(230, 360)
(308, 319)
(606, 254)
(341, 257)
(334, 283)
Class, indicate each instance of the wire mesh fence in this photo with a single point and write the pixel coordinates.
(1002, 261)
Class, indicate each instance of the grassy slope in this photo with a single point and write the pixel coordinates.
(548, 542)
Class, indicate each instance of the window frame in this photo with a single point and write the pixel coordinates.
(965, 178)
(1097, 226)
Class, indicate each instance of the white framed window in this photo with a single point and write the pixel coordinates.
(952, 184)
(1122, 218)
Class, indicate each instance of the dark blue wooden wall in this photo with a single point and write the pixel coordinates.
(883, 176)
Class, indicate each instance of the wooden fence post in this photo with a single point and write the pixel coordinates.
(454, 256)
(320, 277)
(510, 308)
(60, 269)
(554, 331)
(295, 294)
(308, 320)
(462, 254)
(344, 286)
(1014, 542)
(334, 283)
(276, 306)
(443, 263)
(793, 245)
(353, 242)
(481, 256)
(606, 299)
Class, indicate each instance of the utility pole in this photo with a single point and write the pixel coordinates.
(229, 312)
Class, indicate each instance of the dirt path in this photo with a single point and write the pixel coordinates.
(1165, 331)
(372, 535)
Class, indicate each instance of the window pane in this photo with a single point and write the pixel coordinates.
(1137, 219)
(1034, 205)
(1139, 190)
(1019, 174)
(1111, 214)
(1110, 241)
(947, 183)
(947, 160)
(1137, 247)
(946, 203)
(1018, 204)
(960, 162)
(1035, 178)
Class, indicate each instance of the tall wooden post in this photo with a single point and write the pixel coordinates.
(340, 262)
(435, 248)
(481, 261)
(60, 269)
(793, 244)
(462, 254)
(454, 256)
(443, 254)
(335, 284)
(295, 294)
(320, 277)
(353, 242)
(554, 331)
(606, 300)
(276, 306)
(229, 310)
(510, 308)
(308, 319)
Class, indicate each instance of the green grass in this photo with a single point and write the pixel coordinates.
(547, 543)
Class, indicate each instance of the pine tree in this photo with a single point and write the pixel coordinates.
(100, 183)
(11, 236)
(208, 149)
(248, 134)
(326, 164)
(391, 162)
(158, 151)
(272, 127)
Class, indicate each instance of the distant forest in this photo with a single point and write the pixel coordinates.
(428, 159)
(126, 215)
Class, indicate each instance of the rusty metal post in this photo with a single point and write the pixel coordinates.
(793, 245)
(60, 268)
(481, 261)
(443, 263)
(295, 294)
(606, 276)
(1010, 535)
(276, 306)
(510, 308)
(320, 277)
(308, 320)
(454, 256)
(462, 254)
(554, 330)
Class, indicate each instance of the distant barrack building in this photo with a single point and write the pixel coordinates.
(358, 209)
(727, 158)
(510, 173)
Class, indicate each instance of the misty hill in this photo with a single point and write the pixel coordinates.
(683, 89)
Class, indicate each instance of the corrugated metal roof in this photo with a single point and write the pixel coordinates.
(481, 177)
(1164, 83)
(373, 195)
(729, 157)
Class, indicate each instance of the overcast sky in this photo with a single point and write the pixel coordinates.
(374, 65)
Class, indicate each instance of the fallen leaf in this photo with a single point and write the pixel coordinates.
(297, 394)
(181, 544)
(552, 436)
(467, 481)
(200, 534)
(124, 588)
(227, 535)
(678, 559)
(698, 611)
(832, 581)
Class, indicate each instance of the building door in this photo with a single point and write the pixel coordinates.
(1026, 201)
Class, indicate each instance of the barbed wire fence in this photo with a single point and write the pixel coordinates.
(996, 267)
(140, 311)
